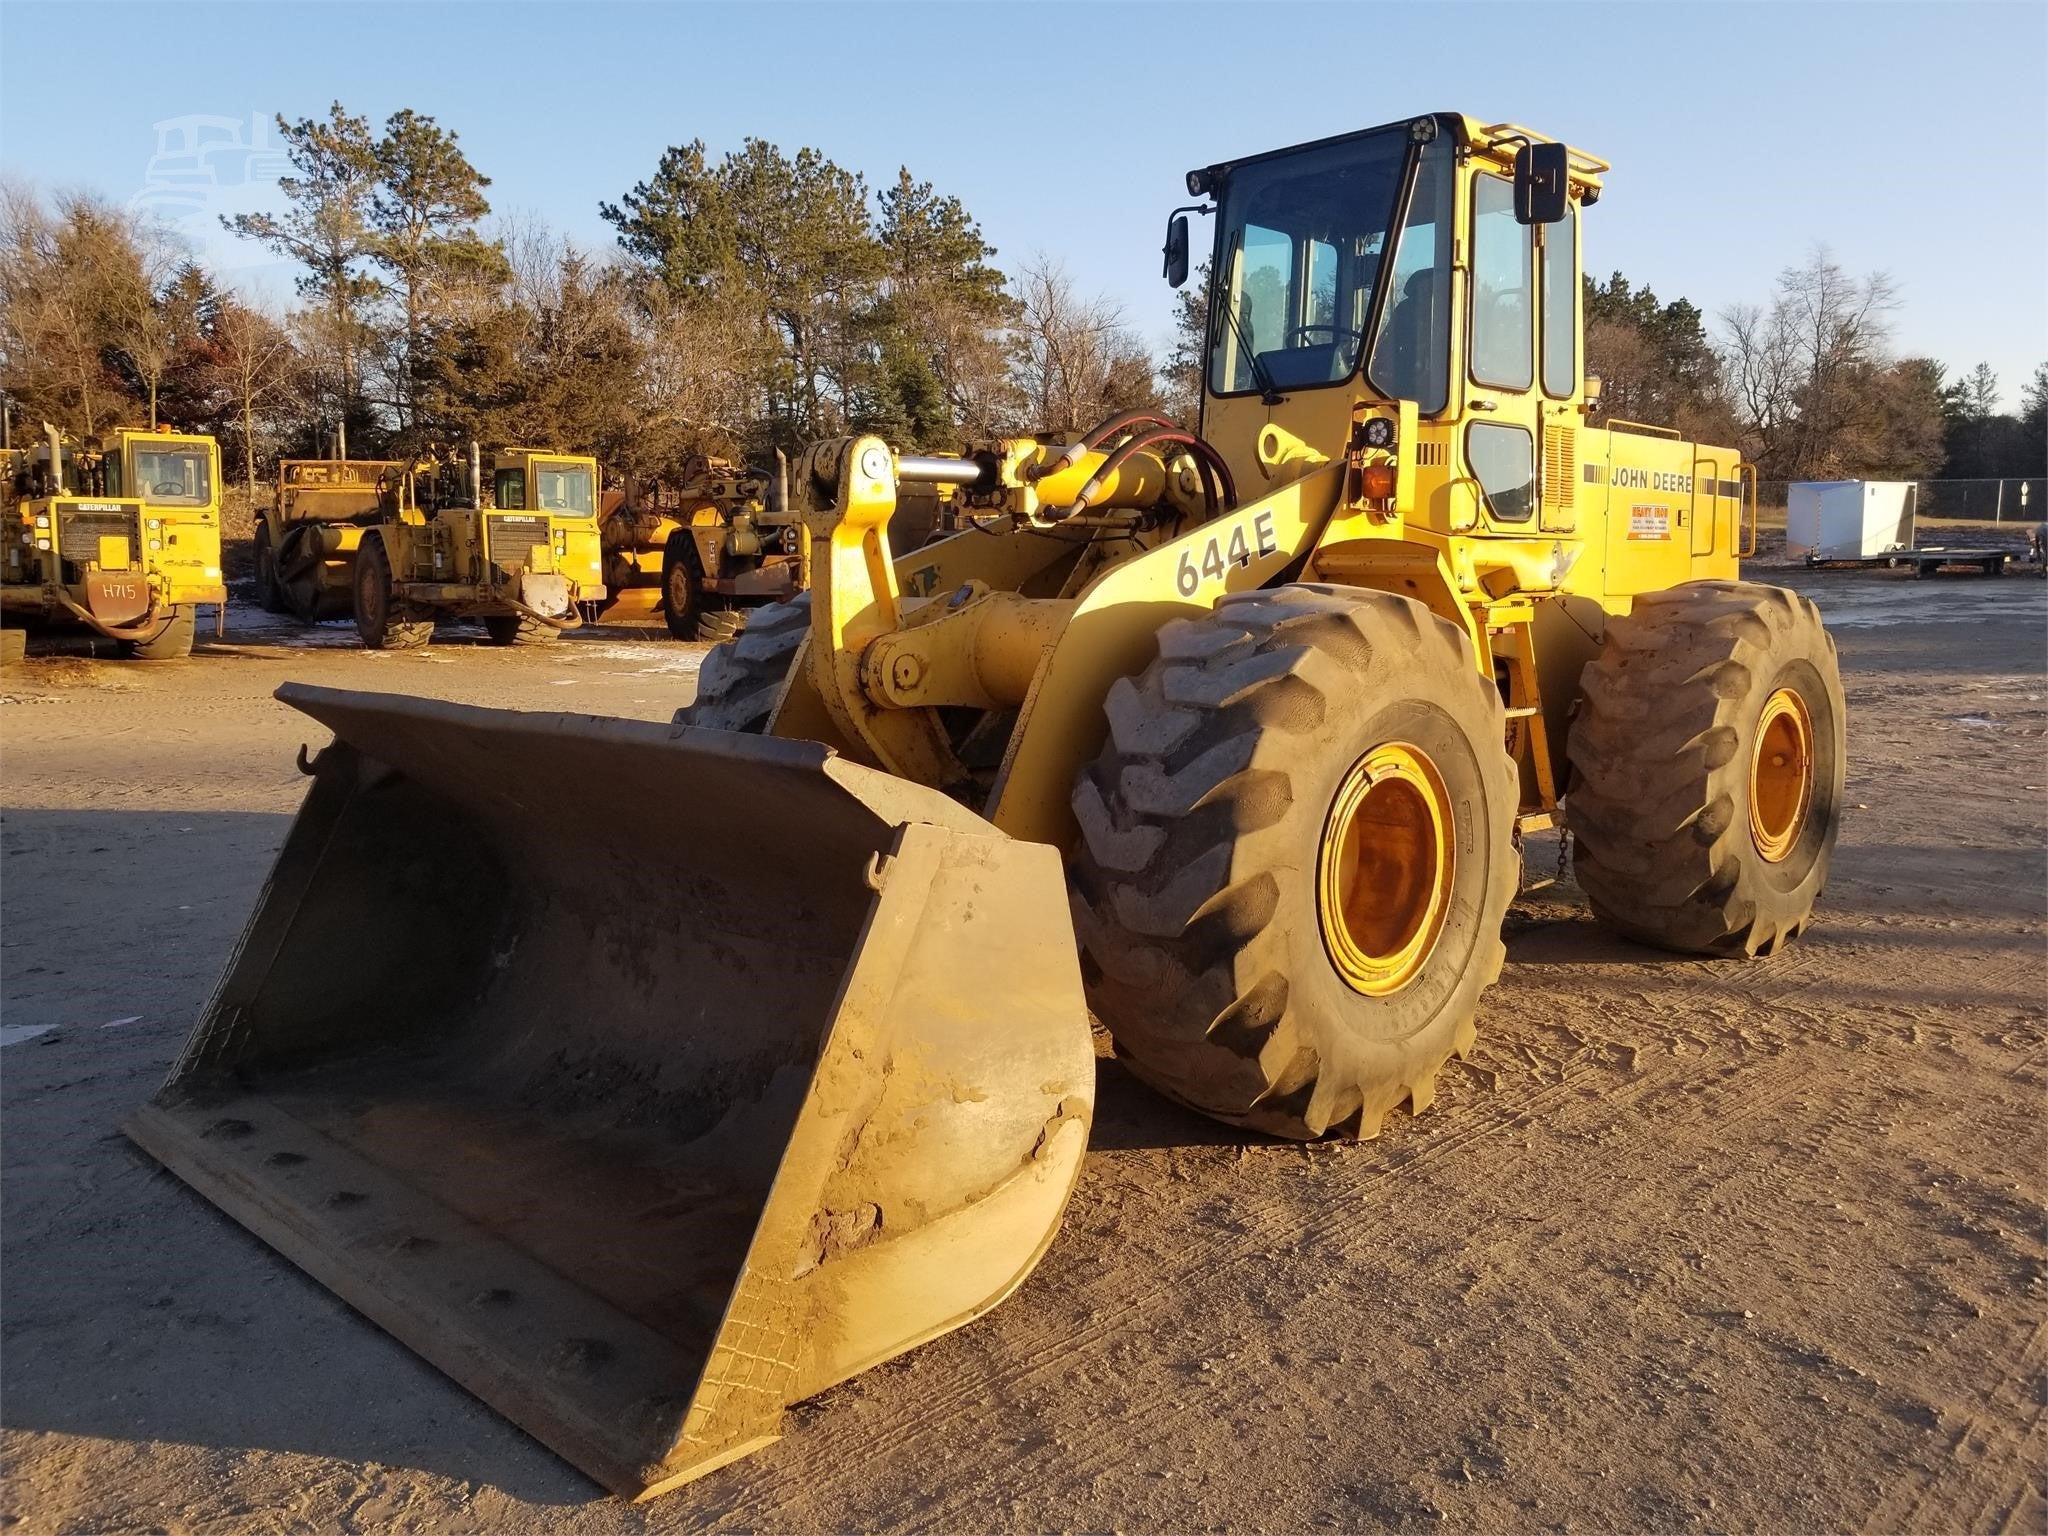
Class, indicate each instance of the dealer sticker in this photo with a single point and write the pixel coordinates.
(1649, 522)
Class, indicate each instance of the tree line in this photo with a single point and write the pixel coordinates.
(754, 301)
(760, 299)
(1807, 384)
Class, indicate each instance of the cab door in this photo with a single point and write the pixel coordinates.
(1503, 425)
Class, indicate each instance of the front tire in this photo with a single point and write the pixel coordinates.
(171, 643)
(381, 620)
(741, 679)
(1296, 854)
(1708, 759)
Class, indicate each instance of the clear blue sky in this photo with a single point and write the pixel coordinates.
(1907, 137)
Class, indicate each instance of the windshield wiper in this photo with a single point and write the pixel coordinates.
(1269, 392)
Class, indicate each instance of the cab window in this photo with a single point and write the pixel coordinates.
(1502, 285)
(1301, 241)
(508, 490)
(173, 475)
(1503, 461)
(565, 488)
(1560, 308)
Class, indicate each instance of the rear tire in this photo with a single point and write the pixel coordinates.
(1234, 797)
(1707, 759)
(269, 595)
(721, 624)
(682, 591)
(171, 643)
(512, 628)
(383, 623)
(740, 680)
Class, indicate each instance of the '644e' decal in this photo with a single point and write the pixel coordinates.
(1228, 545)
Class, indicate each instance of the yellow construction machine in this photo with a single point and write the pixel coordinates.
(1228, 734)
(119, 536)
(704, 550)
(514, 543)
(722, 543)
(307, 539)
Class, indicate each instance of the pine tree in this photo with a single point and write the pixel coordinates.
(327, 231)
(422, 232)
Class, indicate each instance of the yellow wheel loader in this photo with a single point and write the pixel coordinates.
(518, 550)
(120, 537)
(1227, 734)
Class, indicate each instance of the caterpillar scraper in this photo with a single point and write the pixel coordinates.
(308, 537)
(119, 537)
(1227, 735)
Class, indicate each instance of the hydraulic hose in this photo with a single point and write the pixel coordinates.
(1094, 437)
(1212, 463)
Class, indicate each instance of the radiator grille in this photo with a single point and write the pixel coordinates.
(509, 541)
(80, 529)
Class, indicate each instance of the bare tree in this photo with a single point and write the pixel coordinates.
(1803, 369)
(253, 366)
(140, 323)
(1760, 364)
(63, 269)
(1074, 359)
(696, 389)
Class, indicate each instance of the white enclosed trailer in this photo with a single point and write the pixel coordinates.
(1848, 519)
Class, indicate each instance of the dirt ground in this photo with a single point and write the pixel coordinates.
(1748, 1246)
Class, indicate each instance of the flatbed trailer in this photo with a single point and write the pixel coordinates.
(1925, 561)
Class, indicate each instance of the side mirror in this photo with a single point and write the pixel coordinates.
(1177, 250)
(1541, 178)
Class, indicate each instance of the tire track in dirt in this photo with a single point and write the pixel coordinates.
(1994, 1460)
(1045, 1347)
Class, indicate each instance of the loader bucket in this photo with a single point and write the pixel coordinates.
(639, 1139)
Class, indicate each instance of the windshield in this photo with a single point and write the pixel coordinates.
(173, 474)
(1302, 238)
(566, 488)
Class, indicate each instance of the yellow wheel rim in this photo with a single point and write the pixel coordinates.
(1384, 877)
(1780, 775)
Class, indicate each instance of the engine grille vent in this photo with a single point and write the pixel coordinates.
(509, 540)
(80, 529)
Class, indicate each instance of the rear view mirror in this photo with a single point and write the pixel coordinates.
(1541, 178)
(1177, 250)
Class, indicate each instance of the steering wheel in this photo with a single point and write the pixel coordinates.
(1336, 333)
(168, 488)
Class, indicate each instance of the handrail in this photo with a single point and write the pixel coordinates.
(1585, 164)
(1713, 500)
(1644, 426)
(1747, 474)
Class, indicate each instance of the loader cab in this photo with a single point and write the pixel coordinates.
(1433, 262)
